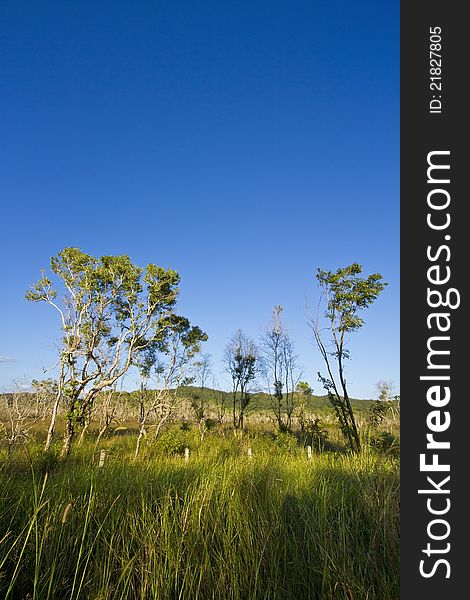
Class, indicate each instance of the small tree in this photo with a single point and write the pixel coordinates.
(219, 398)
(344, 295)
(386, 405)
(304, 392)
(201, 372)
(384, 390)
(167, 364)
(18, 416)
(106, 405)
(45, 390)
(280, 369)
(110, 311)
(241, 360)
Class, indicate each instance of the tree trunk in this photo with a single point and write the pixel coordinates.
(235, 425)
(101, 432)
(142, 432)
(142, 404)
(356, 445)
(240, 420)
(68, 436)
(50, 432)
(83, 431)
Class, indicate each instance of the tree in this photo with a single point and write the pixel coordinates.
(166, 364)
(343, 295)
(18, 417)
(201, 372)
(280, 369)
(387, 405)
(384, 390)
(304, 388)
(219, 398)
(304, 392)
(106, 405)
(45, 390)
(241, 360)
(111, 310)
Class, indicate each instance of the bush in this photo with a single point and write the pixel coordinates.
(386, 442)
(286, 441)
(315, 434)
(378, 411)
(210, 424)
(172, 441)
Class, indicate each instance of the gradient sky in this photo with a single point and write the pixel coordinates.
(243, 144)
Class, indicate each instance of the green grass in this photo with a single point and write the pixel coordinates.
(219, 527)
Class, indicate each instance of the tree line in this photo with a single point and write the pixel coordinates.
(115, 315)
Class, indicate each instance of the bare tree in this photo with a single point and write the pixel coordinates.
(201, 372)
(220, 400)
(44, 390)
(58, 398)
(19, 416)
(386, 405)
(107, 407)
(242, 363)
(384, 390)
(280, 369)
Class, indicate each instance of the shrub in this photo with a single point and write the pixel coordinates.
(378, 411)
(172, 441)
(386, 442)
(286, 441)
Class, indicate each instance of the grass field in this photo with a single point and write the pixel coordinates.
(221, 526)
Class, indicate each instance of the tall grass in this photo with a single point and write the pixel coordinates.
(219, 527)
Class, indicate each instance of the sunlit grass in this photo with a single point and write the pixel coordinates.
(220, 526)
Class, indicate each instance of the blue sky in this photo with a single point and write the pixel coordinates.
(243, 144)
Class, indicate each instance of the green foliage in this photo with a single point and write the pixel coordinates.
(345, 295)
(172, 441)
(197, 404)
(285, 441)
(114, 314)
(242, 363)
(378, 411)
(46, 462)
(210, 424)
(304, 388)
(344, 419)
(315, 434)
(386, 442)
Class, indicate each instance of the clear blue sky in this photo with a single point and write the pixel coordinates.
(243, 144)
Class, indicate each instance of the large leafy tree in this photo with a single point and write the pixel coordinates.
(344, 295)
(111, 311)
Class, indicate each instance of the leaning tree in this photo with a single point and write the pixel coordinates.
(344, 294)
(110, 312)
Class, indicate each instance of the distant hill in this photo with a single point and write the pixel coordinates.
(261, 400)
